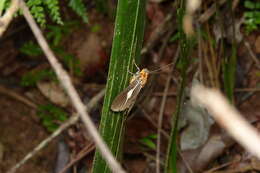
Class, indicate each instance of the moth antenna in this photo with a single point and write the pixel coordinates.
(160, 69)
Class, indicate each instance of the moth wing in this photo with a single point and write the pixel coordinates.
(127, 97)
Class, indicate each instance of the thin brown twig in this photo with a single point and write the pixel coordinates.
(185, 161)
(153, 123)
(165, 42)
(247, 89)
(209, 12)
(151, 157)
(63, 127)
(160, 117)
(82, 154)
(72, 93)
(8, 16)
(251, 53)
(162, 28)
(18, 97)
(212, 170)
(205, 47)
(159, 31)
(200, 52)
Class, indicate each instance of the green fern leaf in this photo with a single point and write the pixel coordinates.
(37, 11)
(53, 6)
(79, 9)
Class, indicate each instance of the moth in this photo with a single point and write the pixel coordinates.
(126, 99)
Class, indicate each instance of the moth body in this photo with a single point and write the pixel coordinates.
(126, 99)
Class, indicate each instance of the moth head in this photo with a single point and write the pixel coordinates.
(143, 76)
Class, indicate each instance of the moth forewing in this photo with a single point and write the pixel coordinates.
(127, 97)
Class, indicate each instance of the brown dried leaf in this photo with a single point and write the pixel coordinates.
(54, 93)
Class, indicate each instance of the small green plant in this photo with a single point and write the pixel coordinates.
(175, 37)
(51, 116)
(32, 77)
(79, 9)
(70, 61)
(149, 141)
(31, 49)
(96, 28)
(252, 16)
(39, 8)
(56, 33)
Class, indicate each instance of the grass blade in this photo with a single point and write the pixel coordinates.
(186, 46)
(127, 43)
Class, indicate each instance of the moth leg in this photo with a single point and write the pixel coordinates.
(130, 71)
(138, 69)
(136, 65)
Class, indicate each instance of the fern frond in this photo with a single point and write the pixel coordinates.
(37, 11)
(79, 8)
(53, 6)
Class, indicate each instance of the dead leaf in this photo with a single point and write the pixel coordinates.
(199, 123)
(90, 53)
(212, 149)
(54, 93)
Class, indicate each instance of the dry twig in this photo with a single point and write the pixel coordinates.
(8, 16)
(71, 91)
(210, 12)
(18, 97)
(159, 31)
(252, 54)
(228, 117)
(160, 118)
(79, 156)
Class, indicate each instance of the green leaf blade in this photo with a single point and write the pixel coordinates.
(127, 43)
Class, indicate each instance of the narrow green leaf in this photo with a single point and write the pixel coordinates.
(127, 43)
(186, 46)
(230, 63)
(230, 74)
(79, 8)
(148, 142)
